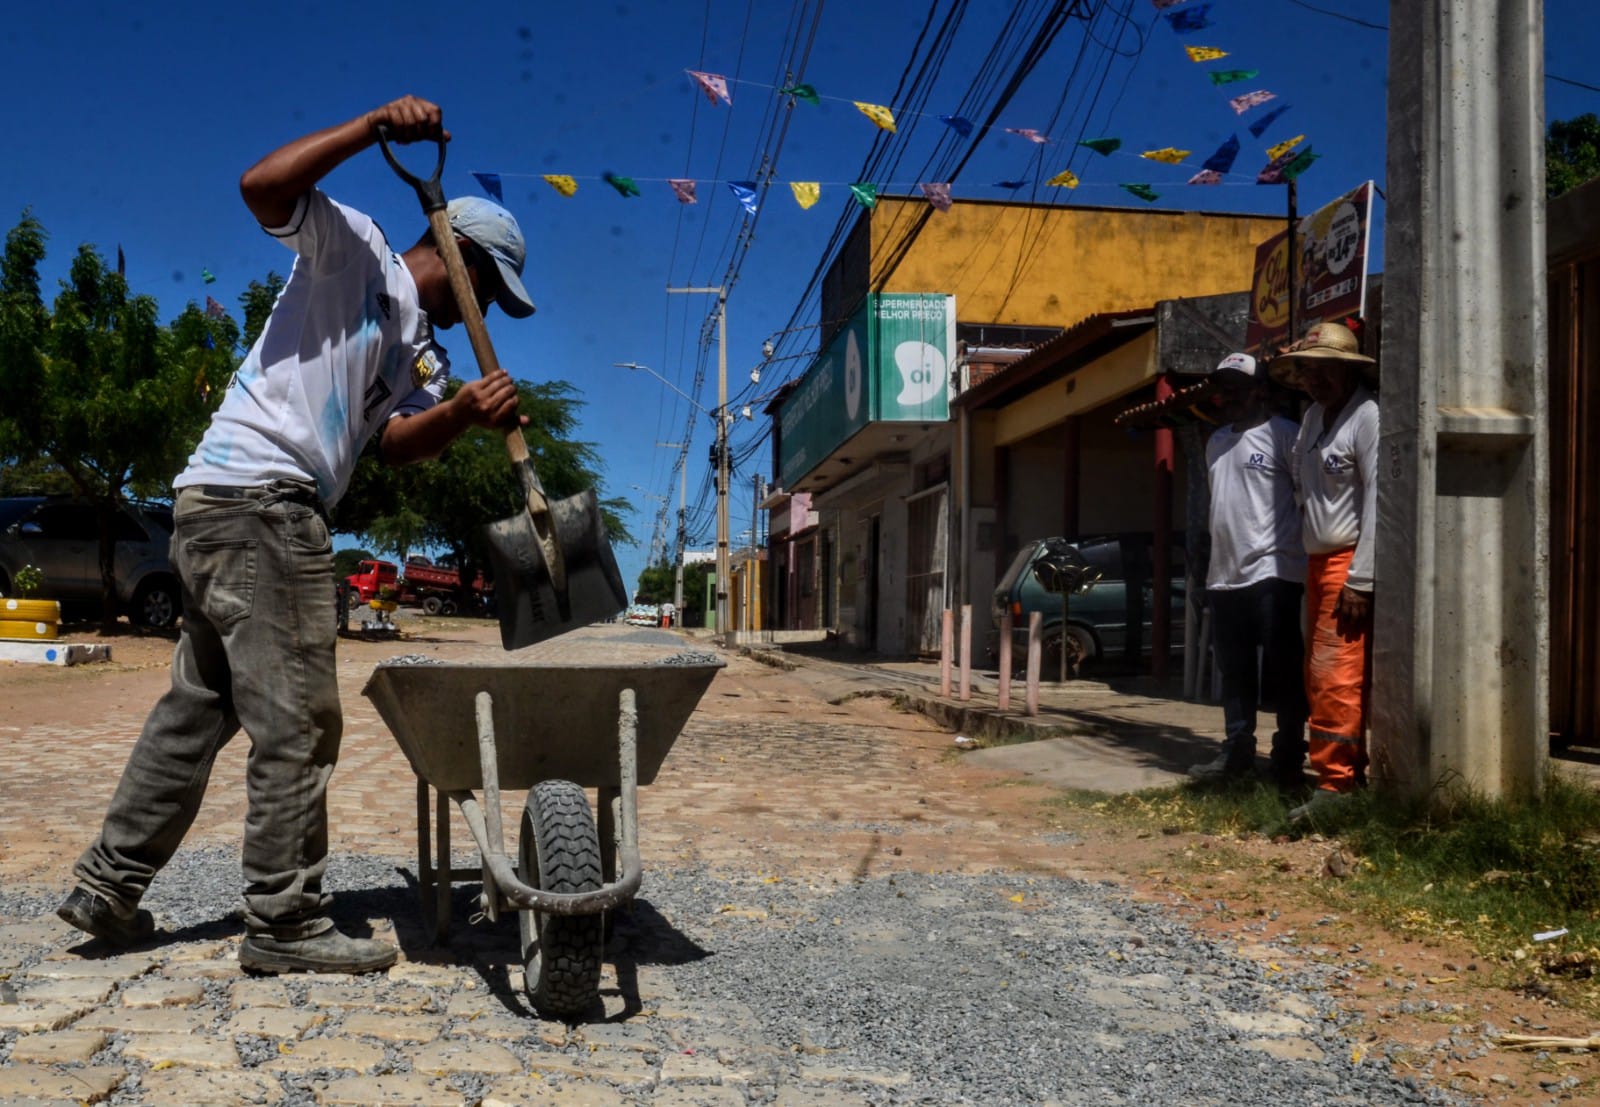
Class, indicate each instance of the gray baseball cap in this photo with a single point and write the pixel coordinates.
(494, 230)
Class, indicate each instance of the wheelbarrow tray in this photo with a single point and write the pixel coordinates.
(554, 707)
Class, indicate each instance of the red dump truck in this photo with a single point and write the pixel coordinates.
(435, 589)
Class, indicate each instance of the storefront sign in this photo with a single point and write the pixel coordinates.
(1332, 278)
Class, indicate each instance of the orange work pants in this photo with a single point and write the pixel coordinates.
(1338, 677)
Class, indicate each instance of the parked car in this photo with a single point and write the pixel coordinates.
(60, 536)
(1098, 617)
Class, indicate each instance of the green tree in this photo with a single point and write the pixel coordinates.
(1571, 153)
(657, 583)
(696, 589)
(97, 390)
(442, 504)
(345, 561)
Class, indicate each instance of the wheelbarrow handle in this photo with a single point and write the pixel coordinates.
(431, 194)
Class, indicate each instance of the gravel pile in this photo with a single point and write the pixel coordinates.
(937, 989)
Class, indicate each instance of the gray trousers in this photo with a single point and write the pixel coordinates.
(256, 652)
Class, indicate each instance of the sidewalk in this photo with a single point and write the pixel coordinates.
(1121, 735)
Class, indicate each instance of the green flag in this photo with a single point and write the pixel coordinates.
(1228, 76)
(1143, 191)
(1300, 164)
(624, 185)
(866, 195)
(801, 92)
(1102, 145)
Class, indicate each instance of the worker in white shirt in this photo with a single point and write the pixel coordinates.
(1256, 579)
(1336, 474)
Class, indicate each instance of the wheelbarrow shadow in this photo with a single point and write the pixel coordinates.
(636, 934)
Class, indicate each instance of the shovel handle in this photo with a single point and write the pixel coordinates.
(431, 193)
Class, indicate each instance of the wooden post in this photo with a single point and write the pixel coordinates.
(1004, 696)
(1035, 655)
(966, 651)
(947, 636)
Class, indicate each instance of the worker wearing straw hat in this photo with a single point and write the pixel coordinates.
(1335, 475)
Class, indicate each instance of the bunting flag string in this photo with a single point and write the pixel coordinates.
(714, 85)
(1300, 164)
(1285, 146)
(1286, 166)
(490, 183)
(1188, 20)
(879, 114)
(960, 125)
(1206, 177)
(806, 193)
(866, 194)
(1012, 185)
(1143, 191)
(1222, 161)
(1242, 104)
(1064, 179)
(1259, 127)
(938, 195)
(1103, 146)
(804, 93)
(562, 183)
(624, 185)
(1232, 76)
(1028, 133)
(745, 192)
(1204, 53)
(1169, 155)
(683, 190)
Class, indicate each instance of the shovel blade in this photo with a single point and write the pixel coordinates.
(531, 608)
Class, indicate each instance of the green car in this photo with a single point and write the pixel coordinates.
(1113, 572)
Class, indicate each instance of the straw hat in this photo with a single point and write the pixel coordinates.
(1324, 342)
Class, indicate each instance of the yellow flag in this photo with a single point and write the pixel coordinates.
(1064, 179)
(1204, 53)
(1167, 154)
(806, 193)
(562, 183)
(879, 114)
(1282, 148)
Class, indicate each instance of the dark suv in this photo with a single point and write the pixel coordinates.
(1098, 619)
(60, 537)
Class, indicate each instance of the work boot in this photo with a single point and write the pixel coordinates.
(329, 951)
(1233, 763)
(96, 915)
(1322, 805)
(1287, 773)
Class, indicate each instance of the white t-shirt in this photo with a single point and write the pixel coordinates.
(1336, 479)
(346, 348)
(1255, 524)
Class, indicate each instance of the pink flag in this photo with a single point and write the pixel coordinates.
(1242, 104)
(938, 195)
(684, 190)
(1206, 176)
(1028, 133)
(714, 85)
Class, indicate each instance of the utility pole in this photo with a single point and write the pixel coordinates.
(755, 547)
(721, 414)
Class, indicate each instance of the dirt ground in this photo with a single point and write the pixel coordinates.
(1244, 892)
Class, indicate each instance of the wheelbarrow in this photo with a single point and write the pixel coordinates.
(595, 709)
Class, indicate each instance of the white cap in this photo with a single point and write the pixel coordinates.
(1243, 364)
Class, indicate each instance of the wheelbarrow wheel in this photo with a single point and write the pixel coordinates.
(559, 851)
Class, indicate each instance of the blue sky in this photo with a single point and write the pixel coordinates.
(137, 121)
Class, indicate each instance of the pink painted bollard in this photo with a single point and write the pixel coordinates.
(1004, 696)
(947, 636)
(1035, 656)
(966, 651)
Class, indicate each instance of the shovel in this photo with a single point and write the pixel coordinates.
(553, 566)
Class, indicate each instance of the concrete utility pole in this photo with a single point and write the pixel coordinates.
(1461, 672)
(723, 567)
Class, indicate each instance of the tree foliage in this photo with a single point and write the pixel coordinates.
(443, 504)
(1571, 153)
(657, 583)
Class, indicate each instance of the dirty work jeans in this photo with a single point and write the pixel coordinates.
(1265, 615)
(256, 652)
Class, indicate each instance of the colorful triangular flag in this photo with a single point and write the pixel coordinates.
(490, 183)
(1272, 172)
(1242, 104)
(1143, 191)
(1259, 127)
(1103, 146)
(1285, 146)
(625, 186)
(714, 85)
(802, 92)
(562, 183)
(1222, 160)
(1163, 5)
(866, 194)
(1190, 19)
(207, 276)
(1206, 177)
(1229, 76)
(1064, 179)
(1300, 164)
(806, 193)
(1028, 133)
(879, 114)
(683, 190)
(1204, 53)
(938, 195)
(1167, 154)
(961, 125)
(746, 192)
(215, 310)
(1012, 185)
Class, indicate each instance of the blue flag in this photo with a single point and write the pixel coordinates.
(491, 185)
(1012, 185)
(1259, 127)
(746, 192)
(1222, 160)
(962, 127)
(1189, 20)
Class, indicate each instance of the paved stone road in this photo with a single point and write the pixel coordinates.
(768, 777)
